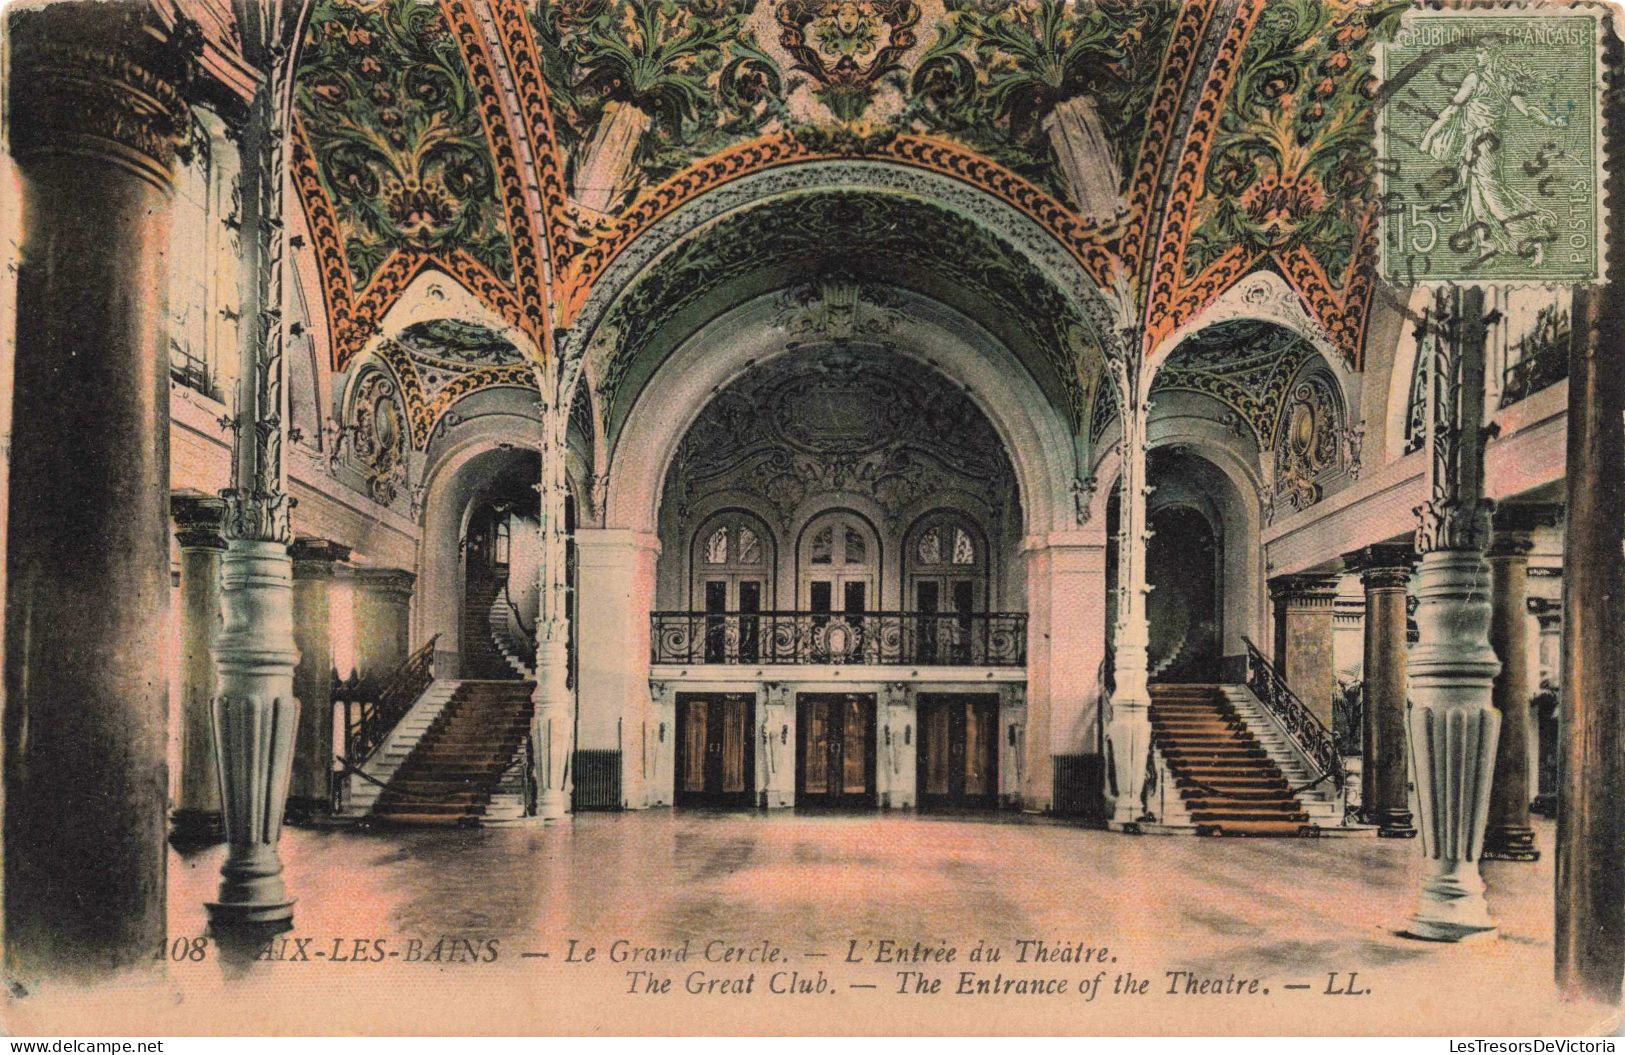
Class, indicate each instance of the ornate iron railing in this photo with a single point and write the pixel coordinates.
(1300, 723)
(1540, 358)
(372, 706)
(977, 639)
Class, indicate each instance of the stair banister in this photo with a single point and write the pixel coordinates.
(372, 706)
(1311, 736)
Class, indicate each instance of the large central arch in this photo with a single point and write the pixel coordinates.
(1033, 431)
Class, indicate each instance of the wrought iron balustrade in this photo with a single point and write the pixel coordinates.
(1301, 724)
(976, 639)
(373, 705)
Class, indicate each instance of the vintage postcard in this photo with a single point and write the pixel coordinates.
(812, 517)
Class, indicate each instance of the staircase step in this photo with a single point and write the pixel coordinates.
(1227, 782)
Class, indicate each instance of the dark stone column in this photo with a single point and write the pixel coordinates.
(1303, 638)
(1590, 934)
(1384, 778)
(195, 821)
(383, 619)
(309, 791)
(1507, 835)
(94, 120)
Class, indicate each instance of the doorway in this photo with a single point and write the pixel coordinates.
(835, 744)
(959, 750)
(715, 761)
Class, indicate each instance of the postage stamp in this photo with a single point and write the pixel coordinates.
(1489, 147)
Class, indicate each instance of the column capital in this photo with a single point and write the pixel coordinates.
(199, 521)
(313, 558)
(386, 581)
(1304, 590)
(101, 82)
(1383, 566)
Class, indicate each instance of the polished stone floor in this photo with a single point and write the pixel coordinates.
(397, 931)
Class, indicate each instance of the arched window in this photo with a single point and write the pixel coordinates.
(839, 568)
(732, 582)
(946, 573)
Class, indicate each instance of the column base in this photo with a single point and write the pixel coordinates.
(1394, 824)
(303, 812)
(278, 914)
(1510, 843)
(1435, 930)
(195, 829)
(1452, 906)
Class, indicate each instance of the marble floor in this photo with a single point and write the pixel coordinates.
(489, 931)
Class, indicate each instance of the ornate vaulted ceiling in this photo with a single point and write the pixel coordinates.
(1171, 148)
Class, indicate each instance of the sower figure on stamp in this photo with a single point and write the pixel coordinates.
(1468, 134)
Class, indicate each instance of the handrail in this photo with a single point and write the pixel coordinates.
(374, 705)
(976, 639)
(1300, 723)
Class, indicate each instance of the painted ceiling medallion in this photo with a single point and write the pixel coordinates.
(847, 45)
(837, 307)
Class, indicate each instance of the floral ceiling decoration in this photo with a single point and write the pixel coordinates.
(521, 147)
(441, 361)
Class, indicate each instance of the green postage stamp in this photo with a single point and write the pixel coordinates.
(1490, 147)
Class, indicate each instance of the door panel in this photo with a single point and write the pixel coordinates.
(716, 761)
(835, 740)
(959, 749)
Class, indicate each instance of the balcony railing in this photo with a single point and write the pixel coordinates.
(978, 639)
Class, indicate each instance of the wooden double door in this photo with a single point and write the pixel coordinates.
(716, 760)
(958, 753)
(835, 749)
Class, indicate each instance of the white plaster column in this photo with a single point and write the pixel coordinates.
(1012, 747)
(256, 713)
(776, 765)
(1130, 724)
(616, 584)
(1066, 647)
(1453, 726)
(896, 768)
(662, 745)
(554, 720)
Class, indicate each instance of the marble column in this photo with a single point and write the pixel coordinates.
(383, 619)
(1129, 725)
(1544, 706)
(310, 791)
(1305, 615)
(1453, 727)
(1590, 896)
(1507, 834)
(257, 713)
(1385, 571)
(94, 122)
(195, 820)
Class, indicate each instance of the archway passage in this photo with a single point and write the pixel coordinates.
(500, 553)
(838, 504)
(1183, 568)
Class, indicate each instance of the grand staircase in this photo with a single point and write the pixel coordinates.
(481, 657)
(466, 767)
(1227, 781)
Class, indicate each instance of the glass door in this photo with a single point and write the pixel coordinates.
(835, 740)
(959, 750)
(715, 760)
